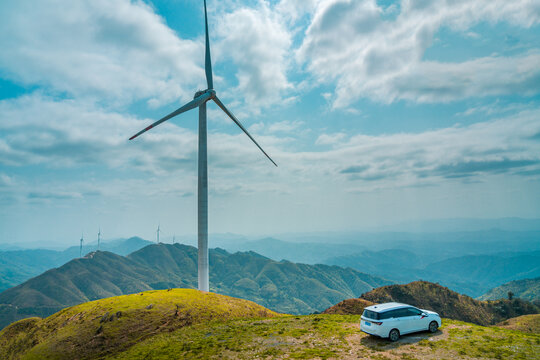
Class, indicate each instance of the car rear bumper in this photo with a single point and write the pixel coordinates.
(373, 329)
(370, 332)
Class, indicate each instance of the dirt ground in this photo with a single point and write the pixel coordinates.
(364, 346)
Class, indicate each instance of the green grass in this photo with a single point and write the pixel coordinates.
(469, 340)
(525, 323)
(187, 324)
(103, 327)
(298, 337)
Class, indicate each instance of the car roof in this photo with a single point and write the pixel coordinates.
(387, 306)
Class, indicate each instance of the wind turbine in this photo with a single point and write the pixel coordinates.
(200, 99)
(98, 238)
(80, 249)
(157, 233)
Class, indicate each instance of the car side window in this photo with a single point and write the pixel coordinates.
(413, 312)
(387, 314)
(403, 313)
(395, 313)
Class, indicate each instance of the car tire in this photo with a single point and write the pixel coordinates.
(433, 326)
(394, 335)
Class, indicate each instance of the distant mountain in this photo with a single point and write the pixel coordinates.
(302, 252)
(527, 289)
(21, 265)
(471, 274)
(281, 286)
(476, 274)
(467, 224)
(438, 244)
(450, 304)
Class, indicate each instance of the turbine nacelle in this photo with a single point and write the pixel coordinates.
(210, 92)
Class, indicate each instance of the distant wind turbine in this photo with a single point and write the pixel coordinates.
(98, 238)
(80, 249)
(200, 99)
(157, 233)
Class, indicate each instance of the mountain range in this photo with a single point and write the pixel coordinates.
(281, 286)
(527, 289)
(17, 266)
(473, 275)
(470, 262)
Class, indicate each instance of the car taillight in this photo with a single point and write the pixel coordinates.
(377, 322)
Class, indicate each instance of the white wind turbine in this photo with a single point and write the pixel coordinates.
(200, 100)
(80, 248)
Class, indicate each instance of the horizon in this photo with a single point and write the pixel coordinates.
(422, 113)
(426, 227)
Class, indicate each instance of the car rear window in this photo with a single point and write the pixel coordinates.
(371, 314)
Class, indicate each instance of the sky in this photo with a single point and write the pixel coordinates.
(377, 112)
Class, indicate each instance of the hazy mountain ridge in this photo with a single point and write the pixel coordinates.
(282, 286)
(470, 274)
(527, 289)
(17, 266)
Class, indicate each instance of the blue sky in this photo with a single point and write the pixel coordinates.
(377, 113)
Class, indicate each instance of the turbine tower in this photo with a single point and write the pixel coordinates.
(200, 99)
(80, 249)
(98, 238)
(157, 233)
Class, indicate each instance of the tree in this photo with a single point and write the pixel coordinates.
(510, 295)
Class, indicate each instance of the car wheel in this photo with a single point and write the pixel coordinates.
(433, 326)
(394, 335)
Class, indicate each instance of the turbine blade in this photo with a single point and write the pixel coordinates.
(208, 60)
(220, 104)
(190, 105)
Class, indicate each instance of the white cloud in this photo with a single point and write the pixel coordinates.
(68, 133)
(258, 43)
(114, 50)
(5, 180)
(351, 43)
(285, 126)
(330, 139)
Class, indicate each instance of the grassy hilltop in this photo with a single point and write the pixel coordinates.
(188, 324)
(101, 328)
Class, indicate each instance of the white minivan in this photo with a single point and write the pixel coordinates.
(390, 320)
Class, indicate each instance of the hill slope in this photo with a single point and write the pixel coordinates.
(104, 327)
(525, 323)
(282, 286)
(187, 324)
(450, 304)
(527, 289)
